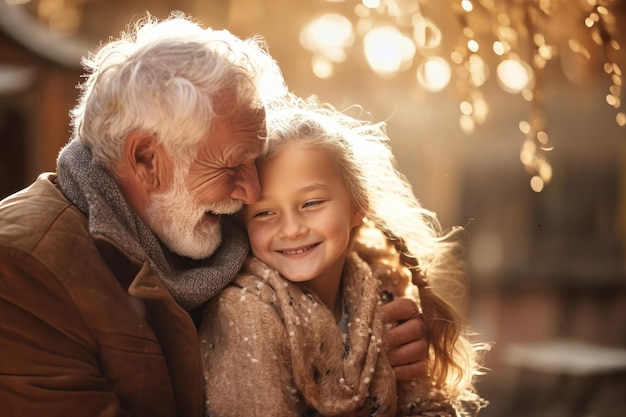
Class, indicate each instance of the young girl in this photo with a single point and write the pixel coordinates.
(337, 232)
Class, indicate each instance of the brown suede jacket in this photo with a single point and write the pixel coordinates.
(84, 329)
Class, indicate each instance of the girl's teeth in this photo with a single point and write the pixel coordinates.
(295, 252)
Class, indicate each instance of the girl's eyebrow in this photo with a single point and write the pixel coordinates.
(313, 187)
(316, 186)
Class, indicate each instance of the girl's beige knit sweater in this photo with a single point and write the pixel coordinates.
(271, 348)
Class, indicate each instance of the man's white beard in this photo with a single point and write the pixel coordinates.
(178, 221)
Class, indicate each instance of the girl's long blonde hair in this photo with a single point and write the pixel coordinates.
(364, 158)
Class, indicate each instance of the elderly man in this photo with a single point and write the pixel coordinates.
(104, 264)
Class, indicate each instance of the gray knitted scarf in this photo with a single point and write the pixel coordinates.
(97, 195)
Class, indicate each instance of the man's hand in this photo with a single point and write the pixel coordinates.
(406, 342)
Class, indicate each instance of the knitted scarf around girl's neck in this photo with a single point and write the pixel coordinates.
(97, 195)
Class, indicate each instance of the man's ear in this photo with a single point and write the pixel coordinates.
(143, 156)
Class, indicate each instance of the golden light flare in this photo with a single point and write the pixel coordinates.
(514, 41)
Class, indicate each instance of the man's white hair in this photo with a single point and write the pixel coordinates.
(167, 78)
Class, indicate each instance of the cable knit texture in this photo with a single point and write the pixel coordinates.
(270, 347)
(97, 195)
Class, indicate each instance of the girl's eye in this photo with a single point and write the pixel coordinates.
(312, 203)
(260, 214)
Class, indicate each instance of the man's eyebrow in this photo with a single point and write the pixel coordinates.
(248, 156)
(251, 154)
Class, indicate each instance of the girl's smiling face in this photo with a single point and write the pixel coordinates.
(302, 223)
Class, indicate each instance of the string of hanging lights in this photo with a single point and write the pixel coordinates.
(520, 36)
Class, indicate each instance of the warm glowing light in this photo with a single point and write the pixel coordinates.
(467, 5)
(481, 109)
(387, 50)
(613, 100)
(545, 172)
(478, 70)
(526, 157)
(472, 45)
(322, 67)
(427, 35)
(361, 11)
(524, 127)
(527, 94)
(507, 34)
(329, 35)
(467, 123)
(514, 75)
(466, 107)
(499, 48)
(615, 45)
(536, 184)
(434, 73)
(545, 52)
(620, 118)
(529, 146)
(542, 137)
(371, 4)
(456, 57)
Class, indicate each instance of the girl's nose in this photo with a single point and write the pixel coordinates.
(291, 227)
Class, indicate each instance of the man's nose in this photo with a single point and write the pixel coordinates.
(247, 187)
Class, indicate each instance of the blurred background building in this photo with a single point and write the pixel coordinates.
(506, 116)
